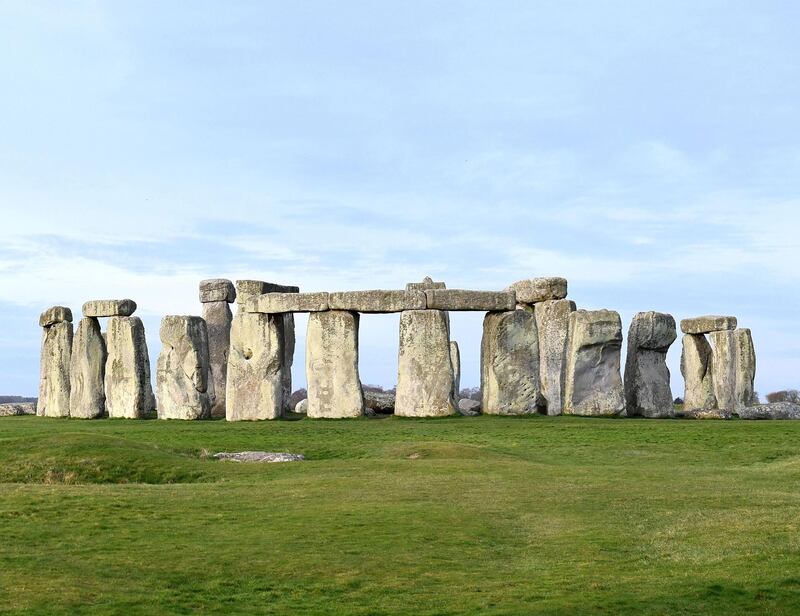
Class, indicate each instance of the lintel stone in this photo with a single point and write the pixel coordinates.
(481, 301)
(276, 303)
(217, 290)
(109, 308)
(377, 301)
(708, 324)
(55, 314)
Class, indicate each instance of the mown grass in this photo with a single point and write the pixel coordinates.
(387, 516)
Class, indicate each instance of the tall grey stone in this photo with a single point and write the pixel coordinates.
(697, 371)
(425, 372)
(334, 387)
(510, 364)
(289, 342)
(255, 377)
(723, 367)
(87, 371)
(455, 359)
(129, 392)
(183, 376)
(592, 381)
(218, 318)
(54, 388)
(647, 378)
(552, 324)
(745, 368)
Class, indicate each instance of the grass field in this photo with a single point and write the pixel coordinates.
(462, 515)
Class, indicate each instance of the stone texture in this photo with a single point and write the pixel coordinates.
(425, 372)
(183, 374)
(744, 356)
(301, 407)
(255, 376)
(539, 290)
(54, 390)
(510, 364)
(377, 301)
(248, 289)
(552, 325)
(218, 318)
(647, 378)
(705, 414)
(87, 371)
(592, 381)
(259, 456)
(277, 303)
(469, 408)
(696, 368)
(217, 290)
(776, 410)
(10, 409)
(427, 283)
(380, 402)
(723, 368)
(129, 393)
(289, 342)
(334, 387)
(55, 314)
(707, 324)
(455, 359)
(457, 299)
(109, 308)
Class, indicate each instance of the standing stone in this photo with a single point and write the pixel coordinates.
(255, 381)
(183, 374)
(647, 390)
(592, 381)
(129, 393)
(54, 388)
(425, 372)
(745, 368)
(218, 318)
(552, 324)
(696, 368)
(510, 364)
(334, 387)
(723, 368)
(87, 371)
(455, 359)
(289, 342)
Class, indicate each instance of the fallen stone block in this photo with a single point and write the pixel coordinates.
(11, 409)
(109, 308)
(707, 414)
(377, 301)
(552, 324)
(55, 314)
(707, 324)
(87, 371)
(538, 290)
(460, 300)
(647, 378)
(301, 407)
(259, 456)
(278, 303)
(776, 410)
(217, 290)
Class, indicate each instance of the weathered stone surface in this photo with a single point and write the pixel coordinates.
(183, 375)
(10, 409)
(697, 371)
(87, 371)
(425, 373)
(255, 377)
(277, 303)
(259, 456)
(217, 290)
(539, 290)
(455, 359)
(427, 283)
(592, 382)
(380, 402)
(744, 356)
(776, 410)
(510, 364)
(705, 414)
(55, 314)
(129, 393)
(109, 308)
(377, 301)
(54, 390)
(247, 289)
(457, 299)
(723, 368)
(218, 318)
(289, 342)
(301, 407)
(707, 324)
(647, 387)
(552, 324)
(469, 408)
(334, 387)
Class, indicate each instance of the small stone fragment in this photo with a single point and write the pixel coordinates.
(87, 371)
(707, 324)
(460, 300)
(538, 290)
(109, 308)
(217, 290)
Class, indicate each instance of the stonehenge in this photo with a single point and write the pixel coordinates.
(539, 354)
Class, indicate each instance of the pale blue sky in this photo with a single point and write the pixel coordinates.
(649, 152)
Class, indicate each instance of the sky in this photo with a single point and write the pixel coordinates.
(648, 152)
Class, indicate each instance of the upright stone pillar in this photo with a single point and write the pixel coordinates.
(455, 359)
(215, 295)
(54, 387)
(552, 324)
(592, 382)
(745, 367)
(425, 372)
(185, 383)
(696, 368)
(723, 367)
(129, 392)
(334, 387)
(647, 387)
(289, 342)
(87, 371)
(510, 364)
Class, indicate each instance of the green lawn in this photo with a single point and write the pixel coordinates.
(462, 515)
